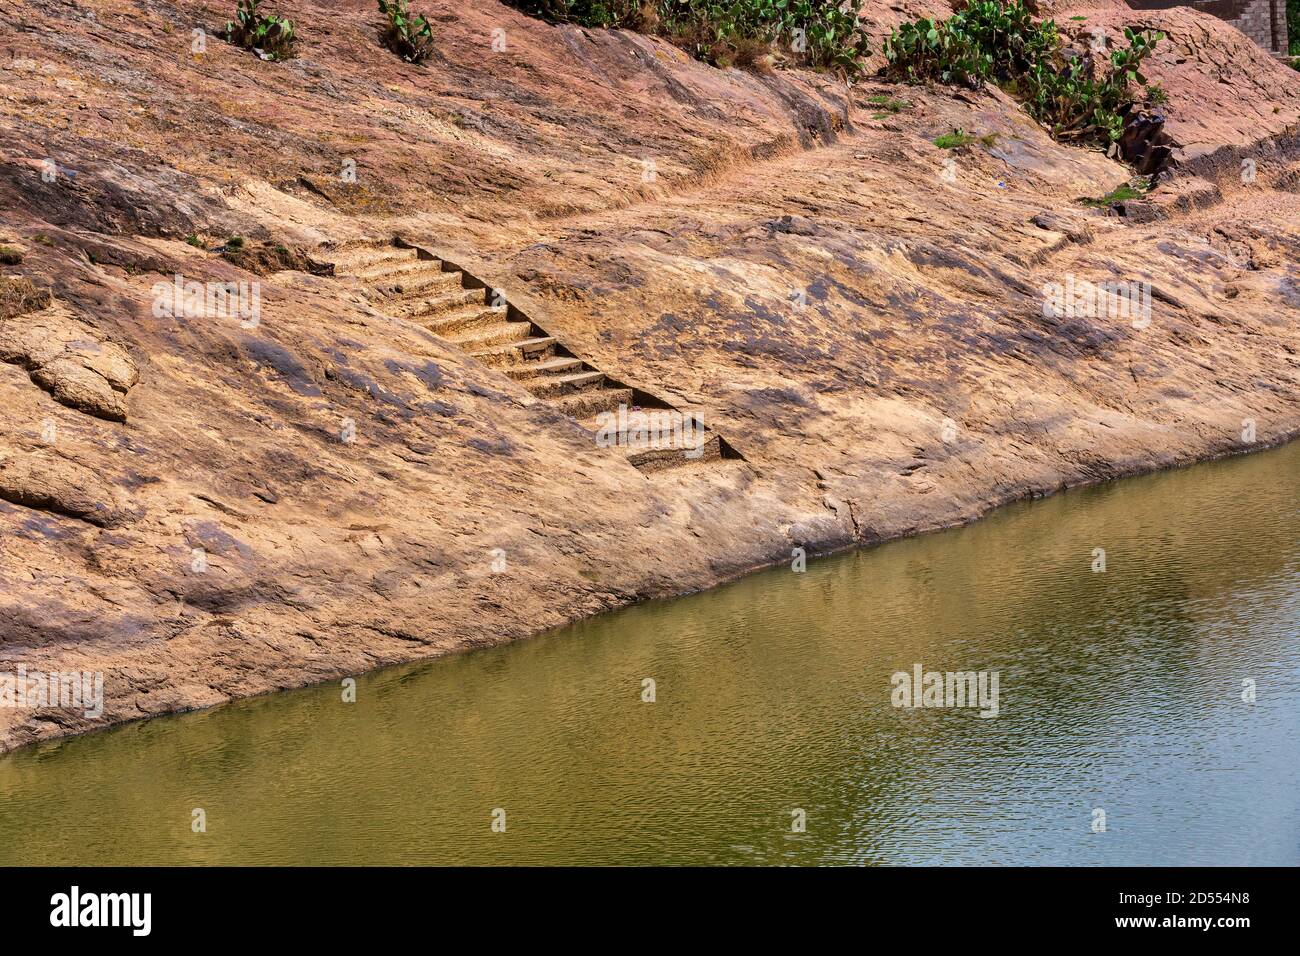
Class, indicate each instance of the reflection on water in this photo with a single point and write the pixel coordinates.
(1119, 690)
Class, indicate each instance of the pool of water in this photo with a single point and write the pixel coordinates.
(1119, 691)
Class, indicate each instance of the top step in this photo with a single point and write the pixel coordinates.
(397, 270)
(351, 259)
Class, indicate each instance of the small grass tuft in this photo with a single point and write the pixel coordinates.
(266, 257)
(1155, 94)
(959, 138)
(10, 256)
(1133, 189)
(888, 104)
(20, 296)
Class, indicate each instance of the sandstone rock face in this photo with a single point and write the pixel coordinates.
(46, 482)
(67, 360)
(209, 503)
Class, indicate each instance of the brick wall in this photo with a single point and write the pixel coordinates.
(1264, 21)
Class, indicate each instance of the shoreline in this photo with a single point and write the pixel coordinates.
(1135, 472)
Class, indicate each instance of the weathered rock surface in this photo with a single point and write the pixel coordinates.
(67, 360)
(203, 507)
(46, 482)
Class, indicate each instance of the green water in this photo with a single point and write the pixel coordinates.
(1119, 691)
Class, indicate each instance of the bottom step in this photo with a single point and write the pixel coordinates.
(660, 459)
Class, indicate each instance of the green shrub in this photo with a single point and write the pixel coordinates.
(1077, 97)
(936, 50)
(988, 40)
(410, 37)
(1083, 102)
(271, 37)
(815, 33)
(587, 13)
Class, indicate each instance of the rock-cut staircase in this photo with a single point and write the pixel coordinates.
(409, 282)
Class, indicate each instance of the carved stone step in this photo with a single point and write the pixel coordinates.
(511, 355)
(707, 448)
(585, 404)
(551, 387)
(464, 320)
(349, 259)
(493, 335)
(435, 305)
(554, 366)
